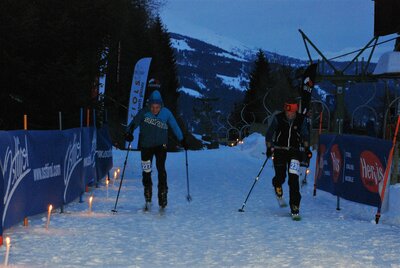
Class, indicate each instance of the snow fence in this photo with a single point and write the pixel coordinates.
(39, 168)
(353, 167)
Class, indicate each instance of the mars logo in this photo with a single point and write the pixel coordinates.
(371, 170)
(320, 166)
(336, 158)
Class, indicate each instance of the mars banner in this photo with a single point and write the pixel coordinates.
(352, 167)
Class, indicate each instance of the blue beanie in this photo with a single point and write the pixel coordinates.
(155, 98)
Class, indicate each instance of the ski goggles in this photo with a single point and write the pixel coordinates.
(291, 107)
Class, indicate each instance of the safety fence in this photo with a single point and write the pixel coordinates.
(42, 167)
(353, 167)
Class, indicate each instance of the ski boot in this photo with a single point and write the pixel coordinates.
(147, 197)
(278, 191)
(162, 199)
(279, 196)
(294, 210)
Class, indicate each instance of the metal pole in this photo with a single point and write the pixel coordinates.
(60, 127)
(81, 126)
(188, 197)
(122, 178)
(340, 125)
(251, 189)
(95, 133)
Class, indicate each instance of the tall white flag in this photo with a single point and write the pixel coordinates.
(136, 98)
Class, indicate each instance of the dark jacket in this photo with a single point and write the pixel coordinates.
(286, 133)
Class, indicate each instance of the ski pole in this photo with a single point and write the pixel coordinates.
(188, 197)
(122, 178)
(251, 189)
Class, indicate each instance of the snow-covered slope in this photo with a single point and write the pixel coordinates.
(211, 66)
(209, 231)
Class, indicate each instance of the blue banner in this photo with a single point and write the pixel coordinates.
(89, 155)
(72, 164)
(39, 168)
(104, 160)
(352, 167)
(136, 98)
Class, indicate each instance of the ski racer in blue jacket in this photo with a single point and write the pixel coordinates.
(154, 121)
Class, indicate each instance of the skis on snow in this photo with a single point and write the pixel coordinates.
(147, 208)
(296, 217)
(281, 201)
(282, 204)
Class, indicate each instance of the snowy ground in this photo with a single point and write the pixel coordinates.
(209, 231)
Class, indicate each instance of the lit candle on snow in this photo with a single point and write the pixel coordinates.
(8, 242)
(90, 203)
(48, 216)
(107, 182)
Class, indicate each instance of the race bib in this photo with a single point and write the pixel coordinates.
(294, 167)
(146, 166)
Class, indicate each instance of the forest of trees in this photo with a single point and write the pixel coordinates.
(54, 51)
(268, 89)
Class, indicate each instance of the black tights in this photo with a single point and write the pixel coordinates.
(160, 152)
(282, 161)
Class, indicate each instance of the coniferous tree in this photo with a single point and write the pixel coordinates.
(282, 89)
(164, 64)
(260, 82)
(128, 41)
(277, 85)
(51, 55)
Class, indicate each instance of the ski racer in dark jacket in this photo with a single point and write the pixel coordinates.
(154, 120)
(287, 135)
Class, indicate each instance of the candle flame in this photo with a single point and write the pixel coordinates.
(50, 208)
(8, 241)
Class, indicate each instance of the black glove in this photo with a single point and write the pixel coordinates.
(184, 144)
(128, 137)
(270, 151)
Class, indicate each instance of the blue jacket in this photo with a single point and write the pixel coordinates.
(154, 128)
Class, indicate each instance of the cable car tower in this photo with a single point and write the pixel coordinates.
(386, 21)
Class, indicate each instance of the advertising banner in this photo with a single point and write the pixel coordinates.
(352, 167)
(104, 158)
(136, 98)
(38, 168)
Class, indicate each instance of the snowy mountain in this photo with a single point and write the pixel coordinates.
(215, 72)
(220, 71)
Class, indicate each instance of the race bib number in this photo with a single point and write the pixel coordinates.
(146, 166)
(294, 167)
